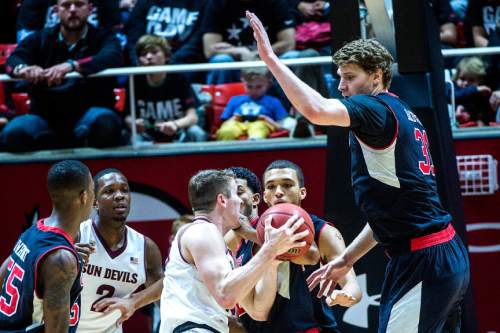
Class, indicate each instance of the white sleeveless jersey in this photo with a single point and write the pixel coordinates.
(186, 298)
(109, 274)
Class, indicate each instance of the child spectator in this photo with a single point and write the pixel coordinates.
(471, 96)
(255, 114)
(166, 102)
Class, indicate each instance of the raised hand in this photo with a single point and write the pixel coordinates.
(329, 274)
(260, 35)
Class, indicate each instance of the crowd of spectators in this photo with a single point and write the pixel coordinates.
(56, 37)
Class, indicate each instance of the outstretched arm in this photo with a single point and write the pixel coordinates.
(58, 272)
(307, 101)
(152, 292)
(341, 265)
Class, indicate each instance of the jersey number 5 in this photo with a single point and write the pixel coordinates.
(106, 291)
(15, 271)
(425, 166)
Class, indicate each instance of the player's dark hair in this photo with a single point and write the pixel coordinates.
(285, 164)
(204, 187)
(103, 173)
(252, 180)
(68, 176)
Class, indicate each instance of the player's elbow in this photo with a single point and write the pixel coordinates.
(227, 302)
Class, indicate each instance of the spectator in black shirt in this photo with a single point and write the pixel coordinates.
(66, 112)
(178, 21)
(165, 102)
(34, 15)
(228, 37)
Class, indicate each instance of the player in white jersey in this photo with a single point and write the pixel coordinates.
(121, 260)
(200, 281)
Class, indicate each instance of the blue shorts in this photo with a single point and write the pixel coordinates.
(423, 287)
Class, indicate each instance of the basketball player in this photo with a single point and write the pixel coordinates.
(122, 261)
(200, 282)
(295, 309)
(41, 281)
(394, 185)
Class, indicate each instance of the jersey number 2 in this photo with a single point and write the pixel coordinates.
(425, 166)
(106, 291)
(15, 271)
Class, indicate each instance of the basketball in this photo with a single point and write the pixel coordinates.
(280, 214)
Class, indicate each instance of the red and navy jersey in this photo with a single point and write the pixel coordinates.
(393, 176)
(21, 303)
(295, 309)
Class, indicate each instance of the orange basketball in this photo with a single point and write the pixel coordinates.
(280, 214)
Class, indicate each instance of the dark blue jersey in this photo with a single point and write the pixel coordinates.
(393, 175)
(21, 303)
(295, 308)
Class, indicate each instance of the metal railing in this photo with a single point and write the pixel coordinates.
(204, 67)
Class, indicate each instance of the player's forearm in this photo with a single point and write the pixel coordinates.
(306, 100)
(239, 282)
(263, 296)
(361, 245)
(350, 285)
(148, 295)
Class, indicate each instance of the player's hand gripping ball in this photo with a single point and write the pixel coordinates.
(280, 214)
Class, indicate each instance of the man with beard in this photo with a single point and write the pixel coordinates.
(72, 112)
(41, 279)
(118, 260)
(295, 309)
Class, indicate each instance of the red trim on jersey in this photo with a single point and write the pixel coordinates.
(112, 253)
(43, 255)
(395, 134)
(310, 330)
(254, 221)
(436, 238)
(45, 228)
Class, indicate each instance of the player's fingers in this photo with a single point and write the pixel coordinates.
(299, 244)
(290, 221)
(331, 287)
(103, 304)
(314, 279)
(328, 269)
(322, 289)
(300, 235)
(268, 222)
(296, 225)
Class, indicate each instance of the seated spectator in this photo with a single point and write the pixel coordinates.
(66, 112)
(166, 102)
(34, 15)
(471, 96)
(228, 36)
(255, 114)
(446, 20)
(178, 21)
(482, 16)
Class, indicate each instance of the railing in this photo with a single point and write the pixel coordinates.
(322, 60)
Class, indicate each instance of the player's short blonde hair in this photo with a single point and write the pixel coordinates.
(146, 42)
(368, 54)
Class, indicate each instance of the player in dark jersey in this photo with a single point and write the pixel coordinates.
(41, 278)
(394, 185)
(294, 309)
